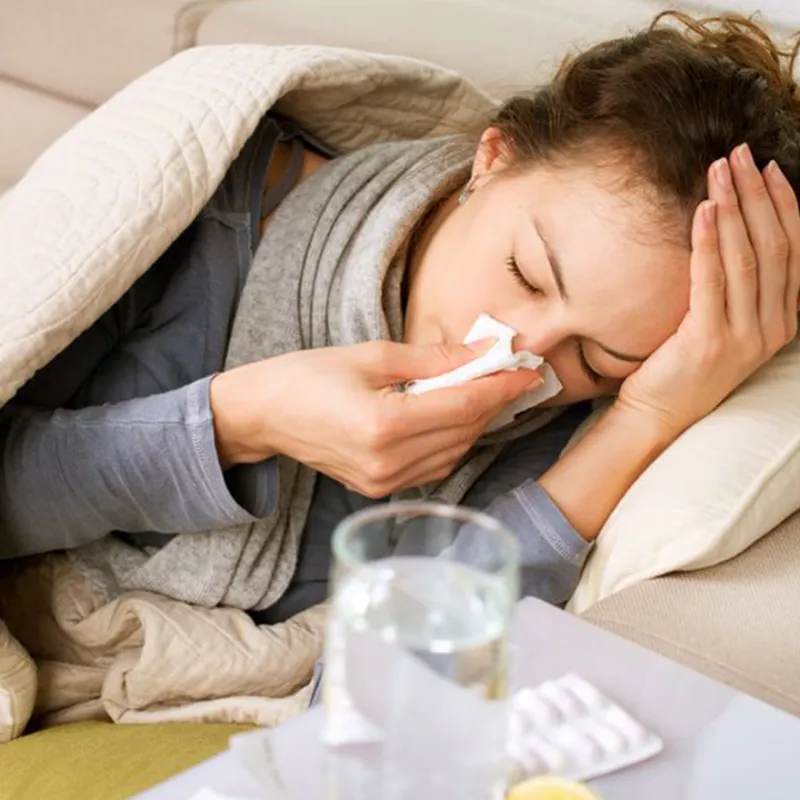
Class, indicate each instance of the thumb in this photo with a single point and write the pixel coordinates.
(406, 362)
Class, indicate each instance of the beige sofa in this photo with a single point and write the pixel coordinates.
(61, 58)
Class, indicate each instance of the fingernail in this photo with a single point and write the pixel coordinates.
(535, 381)
(722, 172)
(482, 345)
(745, 156)
(775, 172)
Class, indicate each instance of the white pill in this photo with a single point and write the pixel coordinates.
(580, 747)
(625, 724)
(611, 742)
(529, 759)
(586, 693)
(568, 726)
(552, 758)
(536, 709)
(562, 700)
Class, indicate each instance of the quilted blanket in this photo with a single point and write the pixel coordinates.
(93, 214)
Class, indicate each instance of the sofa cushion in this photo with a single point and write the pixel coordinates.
(102, 761)
(30, 121)
(17, 688)
(500, 46)
(88, 49)
(737, 622)
(726, 482)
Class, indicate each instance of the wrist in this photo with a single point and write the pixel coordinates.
(588, 481)
(652, 429)
(235, 434)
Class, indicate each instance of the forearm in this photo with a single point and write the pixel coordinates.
(70, 477)
(593, 476)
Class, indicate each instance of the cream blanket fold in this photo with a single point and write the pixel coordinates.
(95, 211)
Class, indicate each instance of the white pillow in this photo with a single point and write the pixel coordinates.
(724, 484)
(17, 686)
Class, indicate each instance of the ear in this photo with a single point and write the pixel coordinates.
(493, 156)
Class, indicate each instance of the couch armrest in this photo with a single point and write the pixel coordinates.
(737, 622)
(30, 121)
(500, 46)
(87, 50)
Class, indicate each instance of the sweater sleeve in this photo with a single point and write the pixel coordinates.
(70, 477)
(552, 553)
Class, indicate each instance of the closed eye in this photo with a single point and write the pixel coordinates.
(513, 268)
(594, 376)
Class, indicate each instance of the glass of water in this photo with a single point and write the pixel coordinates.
(416, 654)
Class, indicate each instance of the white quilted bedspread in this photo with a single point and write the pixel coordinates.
(94, 212)
(107, 199)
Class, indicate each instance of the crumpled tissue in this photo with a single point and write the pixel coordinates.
(500, 357)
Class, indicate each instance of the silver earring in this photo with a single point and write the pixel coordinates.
(464, 196)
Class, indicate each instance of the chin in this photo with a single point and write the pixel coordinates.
(565, 399)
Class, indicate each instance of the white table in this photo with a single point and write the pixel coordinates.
(718, 743)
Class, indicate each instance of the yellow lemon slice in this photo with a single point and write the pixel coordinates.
(548, 787)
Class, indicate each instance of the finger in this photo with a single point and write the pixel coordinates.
(707, 293)
(464, 405)
(786, 206)
(432, 469)
(424, 469)
(398, 362)
(455, 438)
(428, 451)
(766, 235)
(400, 464)
(738, 257)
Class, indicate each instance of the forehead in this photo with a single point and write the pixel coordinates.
(621, 264)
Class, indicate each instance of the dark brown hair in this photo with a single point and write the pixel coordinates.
(666, 103)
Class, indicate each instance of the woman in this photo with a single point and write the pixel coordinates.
(636, 221)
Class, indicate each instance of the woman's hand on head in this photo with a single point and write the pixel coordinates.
(745, 279)
(336, 410)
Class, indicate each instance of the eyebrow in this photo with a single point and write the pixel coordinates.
(558, 276)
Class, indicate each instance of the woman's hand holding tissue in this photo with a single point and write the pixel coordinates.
(336, 410)
(745, 278)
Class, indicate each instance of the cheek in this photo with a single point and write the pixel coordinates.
(577, 384)
(481, 287)
(471, 254)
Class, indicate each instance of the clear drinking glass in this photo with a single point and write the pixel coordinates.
(416, 654)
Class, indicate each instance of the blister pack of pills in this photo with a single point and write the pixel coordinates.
(568, 727)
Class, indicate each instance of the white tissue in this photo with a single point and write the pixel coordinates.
(500, 357)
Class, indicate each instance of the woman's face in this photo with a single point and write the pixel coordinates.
(577, 267)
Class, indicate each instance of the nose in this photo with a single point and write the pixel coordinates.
(542, 336)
